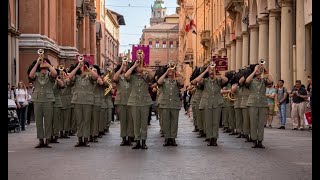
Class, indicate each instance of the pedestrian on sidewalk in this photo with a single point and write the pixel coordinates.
(299, 97)
(270, 94)
(22, 103)
(30, 111)
(282, 98)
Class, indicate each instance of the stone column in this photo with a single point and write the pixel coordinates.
(245, 49)
(93, 45)
(308, 71)
(223, 52)
(300, 43)
(229, 55)
(254, 43)
(16, 49)
(87, 34)
(274, 46)
(286, 43)
(233, 55)
(263, 41)
(238, 52)
(81, 35)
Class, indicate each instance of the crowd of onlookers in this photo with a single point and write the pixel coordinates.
(22, 96)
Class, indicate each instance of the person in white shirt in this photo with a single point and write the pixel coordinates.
(22, 103)
(10, 92)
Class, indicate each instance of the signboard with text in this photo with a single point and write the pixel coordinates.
(221, 63)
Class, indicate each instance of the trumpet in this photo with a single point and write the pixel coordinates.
(41, 55)
(262, 61)
(212, 65)
(140, 56)
(171, 65)
(80, 58)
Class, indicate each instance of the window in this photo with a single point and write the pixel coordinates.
(159, 14)
(157, 44)
(163, 13)
(171, 44)
(164, 44)
(150, 44)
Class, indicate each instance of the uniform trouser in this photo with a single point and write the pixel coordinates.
(297, 114)
(246, 121)
(199, 118)
(239, 120)
(258, 116)
(73, 122)
(203, 120)
(126, 122)
(66, 119)
(108, 118)
(102, 119)
(160, 117)
(225, 117)
(43, 114)
(94, 126)
(231, 118)
(83, 113)
(140, 121)
(170, 122)
(57, 124)
(212, 118)
(194, 115)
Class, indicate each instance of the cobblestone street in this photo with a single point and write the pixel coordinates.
(288, 156)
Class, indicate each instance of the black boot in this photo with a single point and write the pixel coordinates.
(200, 134)
(66, 134)
(123, 143)
(173, 142)
(232, 133)
(129, 141)
(80, 142)
(137, 145)
(90, 139)
(255, 144)
(204, 135)
(166, 142)
(207, 140)
(144, 146)
(95, 138)
(210, 142)
(226, 130)
(196, 129)
(61, 134)
(214, 142)
(72, 133)
(132, 139)
(260, 145)
(85, 143)
(41, 144)
(46, 144)
(239, 136)
(54, 139)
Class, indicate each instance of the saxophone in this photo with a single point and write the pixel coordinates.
(107, 80)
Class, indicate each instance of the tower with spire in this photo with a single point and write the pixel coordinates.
(158, 12)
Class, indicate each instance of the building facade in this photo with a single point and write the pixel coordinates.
(245, 31)
(158, 12)
(162, 38)
(13, 42)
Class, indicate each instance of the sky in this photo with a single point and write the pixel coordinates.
(136, 14)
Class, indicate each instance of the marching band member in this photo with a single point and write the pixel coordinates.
(121, 101)
(159, 98)
(97, 89)
(108, 102)
(257, 103)
(139, 100)
(43, 76)
(66, 105)
(57, 123)
(236, 90)
(171, 103)
(83, 99)
(73, 122)
(212, 102)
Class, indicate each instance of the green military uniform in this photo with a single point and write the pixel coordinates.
(43, 99)
(57, 115)
(66, 97)
(245, 113)
(200, 115)
(94, 126)
(228, 113)
(258, 106)
(73, 122)
(212, 103)
(121, 101)
(238, 112)
(103, 112)
(170, 108)
(195, 101)
(83, 99)
(108, 112)
(159, 101)
(139, 103)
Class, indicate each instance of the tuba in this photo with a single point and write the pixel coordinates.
(107, 80)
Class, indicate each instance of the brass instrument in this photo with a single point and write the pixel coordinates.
(230, 96)
(61, 68)
(80, 58)
(262, 61)
(212, 65)
(140, 56)
(41, 55)
(107, 80)
(172, 65)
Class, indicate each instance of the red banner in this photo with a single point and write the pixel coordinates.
(88, 58)
(221, 63)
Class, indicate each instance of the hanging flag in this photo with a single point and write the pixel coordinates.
(190, 25)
